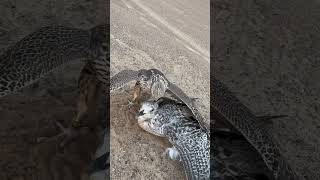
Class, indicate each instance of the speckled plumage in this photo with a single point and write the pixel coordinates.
(169, 119)
(225, 106)
(50, 47)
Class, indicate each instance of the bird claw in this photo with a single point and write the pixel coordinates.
(132, 103)
(171, 153)
(66, 135)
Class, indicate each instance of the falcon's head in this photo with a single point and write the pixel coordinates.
(153, 80)
(144, 79)
(144, 75)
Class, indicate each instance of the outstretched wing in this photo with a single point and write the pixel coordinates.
(189, 102)
(122, 78)
(38, 53)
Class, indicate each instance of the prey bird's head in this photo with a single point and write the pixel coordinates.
(147, 110)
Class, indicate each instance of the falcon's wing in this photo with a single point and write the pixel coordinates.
(189, 102)
(122, 78)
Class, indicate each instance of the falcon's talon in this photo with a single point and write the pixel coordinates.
(131, 103)
(64, 137)
(77, 124)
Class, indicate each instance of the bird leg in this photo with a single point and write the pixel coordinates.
(66, 136)
(172, 153)
(90, 91)
(136, 95)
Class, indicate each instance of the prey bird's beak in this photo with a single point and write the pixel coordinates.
(141, 113)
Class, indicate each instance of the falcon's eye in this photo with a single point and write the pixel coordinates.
(152, 109)
(143, 78)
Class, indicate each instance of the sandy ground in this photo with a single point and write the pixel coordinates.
(268, 54)
(174, 38)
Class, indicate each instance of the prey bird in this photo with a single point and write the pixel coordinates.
(231, 157)
(191, 144)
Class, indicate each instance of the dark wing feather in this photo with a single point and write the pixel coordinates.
(189, 102)
(122, 78)
(226, 105)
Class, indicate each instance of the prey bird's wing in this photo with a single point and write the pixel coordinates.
(194, 154)
(189, 102)
(122, 78)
